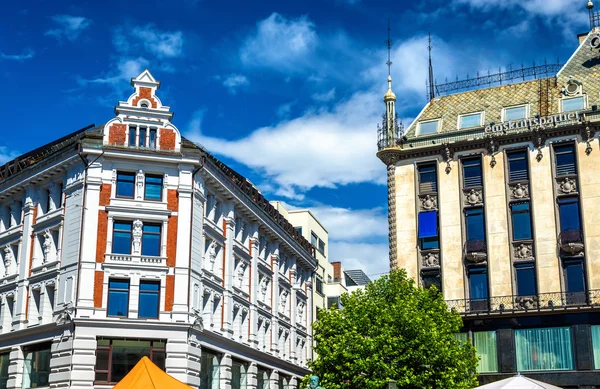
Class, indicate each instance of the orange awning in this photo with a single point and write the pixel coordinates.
(146, 375)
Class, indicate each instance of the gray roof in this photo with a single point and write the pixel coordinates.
(356, 277)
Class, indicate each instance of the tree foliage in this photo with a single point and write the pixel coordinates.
(392, 330)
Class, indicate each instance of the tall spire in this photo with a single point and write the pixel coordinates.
(431, 89)
(389, 95)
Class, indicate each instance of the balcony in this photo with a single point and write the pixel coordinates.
(543, 302)
(570, 242)
(389, 133)
(133, 260)
(475, 251)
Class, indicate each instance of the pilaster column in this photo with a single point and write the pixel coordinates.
(177, 361)
(254, 283)
(275, 297)
(29, 219)
(252, 380)
(15, 368)
(225, 372)
(228, 266)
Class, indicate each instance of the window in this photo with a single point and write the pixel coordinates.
(132, 133)
(314, 239)
(461, 337)
(209, 370)
(596, 346)
(471, 120)
(474, 223)
(568, 209)
(151, 240)
(521, 221)
(116, 357)
(125, 184)
(4, 362)
(152, 144)
(121, 243)
(118, 297)
(428, 230)
(574, 275)
(565, 159)
(472, 172)
(478, 283)
(432, 278)
(239, 375)
(142, 142)
(427, 178)
(544, 349)
(334, 302)
(283, 382)
(153, 187)
(262, 378)
(428, 127)
(36, 366)
(573, 104)
(485, 344)
(517, 166)
(515, 113)
(149, 299)
(525, 276)
(319, 285)
(322, 247)
(299, 229)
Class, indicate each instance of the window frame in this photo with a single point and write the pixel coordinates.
(566, 201)
(153, 350)
(511, 154)
(463, 115)
(162, 182)
(243, 380)
(579, 262)
(515, 225)
(479, 270)
(557, 153)
(146, 234)
(149, 292)
(4, 364)
(208, 355)
(115, 229)
(129, 174)
(437, 129)
(525, 266)
(35, 349)
(421, 171)
(583, 97)
(505, 109)
(569, 337)
(108, 297)
(468, 159)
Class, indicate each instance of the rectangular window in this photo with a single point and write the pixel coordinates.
(485, 344)
(283, 382)
(36, 366)
(544, 349)
(151, 240)
(125, 184)
(428, 230)
(596, 346)
(262, 378)
(149, 299)
(521, 221)
(427, 178)
(153, 186)
(142, 137)
(574, 275)
(517, 166)
(209, 370)
(239, 374)
(319, 285)
(475, 224)
(478, 283)
(116, 357)
(564, 157)
(152, 138)
(515, 113)
(314, 239)
(461, 337)
(4, 362)
(428, 127)
(472, 172)
(471, 120)
(299, 229)
(568, 210)
(573, 104)
(525, 277)
(322, 247)
(121, 243)
(132, 131)
(431, 278)
(118, 297)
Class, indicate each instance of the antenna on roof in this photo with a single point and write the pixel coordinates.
(389, 43)
(431, 89)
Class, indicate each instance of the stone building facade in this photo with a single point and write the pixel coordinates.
(493, 198)
(126, 239)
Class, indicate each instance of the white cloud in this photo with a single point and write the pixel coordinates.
(325, 96)
(7, 155)
(69, 26)
(27, 54)
(163, 44)
(234, 81)
(349, 225)
(280, 43)
(126, 68)
(372, 258)
(284, 110)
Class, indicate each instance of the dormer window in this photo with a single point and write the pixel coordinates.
(428, 127)
(573, 103)
(470, 120)
(515, 113)
(142, 137)
(144, 105)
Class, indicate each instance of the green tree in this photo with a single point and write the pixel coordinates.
(392, 330)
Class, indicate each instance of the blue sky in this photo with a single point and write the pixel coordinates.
(287, 93)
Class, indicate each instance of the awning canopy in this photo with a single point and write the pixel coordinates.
(146, 375)
(518, 382)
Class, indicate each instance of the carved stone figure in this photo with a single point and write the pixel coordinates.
(428, 202)
(474, 197)
(523, 251)
(301, 312)
(137, 236)
(212, 255)
(519, 191)
(431, 260)
(314, 383)
(264, 283)
(8, 260)
(47, 246)
(241, 271)
(567, 186)
(283, 301)
(140, 184)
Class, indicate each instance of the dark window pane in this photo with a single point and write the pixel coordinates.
(151, 240)
(152, 139)
(574, 276)
(565, 159)
(101, 377)
(521, 221)
(525, 280)
(159, 359)
(432, 279)
(142, 137)
(427, 179)
(517, 166)
(428, 224)
(475, 226)
(125, 355)
(102, 359)
(569, 214)
(149, 299)
(153, 188)
(131, 136)
(472, 172)
(478, 284)
(4, 362)
(125, 184)
(429, 243)
(121, 242)
(152, 286)
(118, 297)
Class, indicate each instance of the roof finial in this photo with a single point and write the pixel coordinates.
(590, 5)
(431, 89)
(389, 42)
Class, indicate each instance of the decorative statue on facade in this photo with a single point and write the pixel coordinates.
(241, 271)
(137, 236)
(264, 283)
(212, 254)
(301, 312)
(8, 260)
(283, 301)
(47, 246)
(314, 383)
(140, 183)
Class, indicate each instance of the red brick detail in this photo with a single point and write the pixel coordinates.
(98, 288)
(167, 139)
(169, 293)
(172, 200)
(172, 241)
(145, 93)
(117, 134)
(105, 190)
(102, 233)
(32, 245)
(337, 271)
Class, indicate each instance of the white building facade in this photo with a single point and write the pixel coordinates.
(127, 240)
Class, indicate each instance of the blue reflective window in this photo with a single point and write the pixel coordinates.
(565, 159)
(569, 214)
(472, 172)
(132, 131)
(428, 230)
(121, 243)
(125, 184)
(153, 187)
(149, 299)
(517, 166)
(472, 120)
(574, 275)
(478, 283)
(118, 297)
(515, 113)
(142, 137)
(525, 275)
(151, 240)
(521, 221)
(573, 104)
(475, 225)
(429, 127)
(152, 139)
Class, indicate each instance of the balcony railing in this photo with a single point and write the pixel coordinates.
(520, 304)
(571, 241)
(135, 259)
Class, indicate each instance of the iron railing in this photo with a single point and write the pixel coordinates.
(522, 304)
(389, 133)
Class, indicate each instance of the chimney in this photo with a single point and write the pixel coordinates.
(581, 37)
